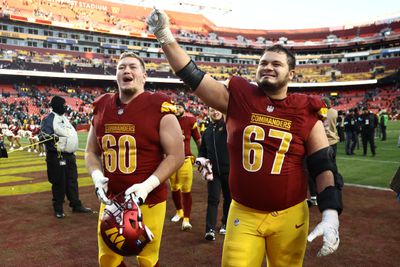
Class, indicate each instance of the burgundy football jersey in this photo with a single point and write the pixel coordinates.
(128, 136)
(266, 140)
(35, 131)
(14, 129)
(189, 129)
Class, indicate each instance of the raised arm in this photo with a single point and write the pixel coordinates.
(212, 92)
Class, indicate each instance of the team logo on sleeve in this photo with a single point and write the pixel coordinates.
(322, 113)
(167, 107)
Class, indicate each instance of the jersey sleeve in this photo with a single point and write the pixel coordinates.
(97, 103)
(318, 107)
(166, 104)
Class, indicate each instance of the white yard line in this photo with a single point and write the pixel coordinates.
(368, 187)
(369, 160)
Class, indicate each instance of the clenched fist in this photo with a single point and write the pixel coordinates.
(158, 23)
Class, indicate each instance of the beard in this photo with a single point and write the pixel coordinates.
(128, 91)
(266, 85)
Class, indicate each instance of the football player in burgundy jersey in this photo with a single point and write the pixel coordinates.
(181, 180)
(270, 132)
(134, 145)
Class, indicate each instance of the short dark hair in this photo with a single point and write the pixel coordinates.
(57, 101)
(327, 101)
(291, 59)
(180, 103)
(134, 55)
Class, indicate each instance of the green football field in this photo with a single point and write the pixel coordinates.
(370, 171)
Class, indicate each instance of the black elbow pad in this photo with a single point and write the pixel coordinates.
(331, 196)
(191, 75)
(321, 161)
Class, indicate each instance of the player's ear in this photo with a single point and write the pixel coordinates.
(292, 73)
(144, 77)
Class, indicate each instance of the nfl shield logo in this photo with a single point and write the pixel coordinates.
(270, 108)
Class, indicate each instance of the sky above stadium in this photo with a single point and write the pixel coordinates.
(283, 14)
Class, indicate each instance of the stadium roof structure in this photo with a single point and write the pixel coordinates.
(131, 22)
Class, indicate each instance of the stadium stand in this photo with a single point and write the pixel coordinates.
(66, 47)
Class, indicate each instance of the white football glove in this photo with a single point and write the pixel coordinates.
(101, 185)
(141, 190)
(329, 229)
(158, 23)
(205, 168)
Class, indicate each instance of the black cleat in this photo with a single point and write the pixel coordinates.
(59, 214)
(81, 209)
(210, 235)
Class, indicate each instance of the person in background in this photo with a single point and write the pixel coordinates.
(368, 123)
(333, 138)
(358, 127)
(214, 148)
(383, 122)
(269, 134)
(340, 126)
(134, 145)
(350, 127)
(330, 127)
(13, 135)
(61, 145)
(378, 131)
(181, 181)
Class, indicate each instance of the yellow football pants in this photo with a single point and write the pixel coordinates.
(252, 234)
(182, 179)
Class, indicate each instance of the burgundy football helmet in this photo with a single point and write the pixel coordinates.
(122, 227)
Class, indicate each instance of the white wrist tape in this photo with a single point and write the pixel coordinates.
(164, 36)
(151, 183)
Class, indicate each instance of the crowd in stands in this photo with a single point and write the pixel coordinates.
(26, 102)
(50, 60)
(30, 103)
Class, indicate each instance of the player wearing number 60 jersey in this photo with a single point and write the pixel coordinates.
(138, 143)
(269, 135)
(134, 145)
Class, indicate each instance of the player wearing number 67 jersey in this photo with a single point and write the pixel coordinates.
(269, 135)
(134, 145)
